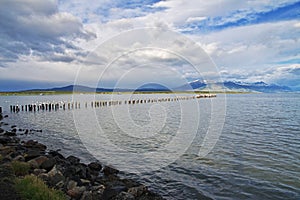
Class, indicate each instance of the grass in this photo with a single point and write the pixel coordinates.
(20, 168)
(32, 188)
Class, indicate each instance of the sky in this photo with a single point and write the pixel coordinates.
(48, 43)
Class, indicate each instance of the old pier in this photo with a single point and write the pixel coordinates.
(54, 106)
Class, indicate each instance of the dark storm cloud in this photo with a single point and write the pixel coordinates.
(37, 27)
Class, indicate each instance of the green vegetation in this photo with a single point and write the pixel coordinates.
(33, 93)
(32, 188)
(20, 168)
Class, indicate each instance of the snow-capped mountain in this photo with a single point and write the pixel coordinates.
(234, 86)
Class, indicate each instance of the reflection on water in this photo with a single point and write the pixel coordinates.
(256, 157)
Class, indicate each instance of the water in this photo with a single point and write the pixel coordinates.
(256, 157)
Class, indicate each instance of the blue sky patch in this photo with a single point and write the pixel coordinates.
(138, 7)
(245, 17)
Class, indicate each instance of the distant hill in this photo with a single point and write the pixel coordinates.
(152, 87)
(197, 84)
(193, 85)
(79, 88)
(237, 86)
(71, 88)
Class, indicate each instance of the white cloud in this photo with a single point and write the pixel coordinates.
(283, 75)
(195, 19)
(254, 46)
(51, 38)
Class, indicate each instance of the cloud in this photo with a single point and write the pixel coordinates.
(36, 27)
(105, 11)
(195, 19)
(253, 46)
(245, 39)
(246, 16)
(282, 75)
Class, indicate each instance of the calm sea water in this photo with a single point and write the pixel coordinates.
(257, 156)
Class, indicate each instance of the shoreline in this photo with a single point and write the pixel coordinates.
(46, 93)
(77, 180)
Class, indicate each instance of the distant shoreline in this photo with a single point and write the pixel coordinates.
(40, 93)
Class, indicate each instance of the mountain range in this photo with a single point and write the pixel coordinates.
(228, 86)
(238, 86)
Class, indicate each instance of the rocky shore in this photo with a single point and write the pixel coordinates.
(78, 181)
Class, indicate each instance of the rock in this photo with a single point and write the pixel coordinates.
(72, 171)
(7, 158)
(124, 196)
(55, 176)
(95, 166)
(60, 185)
(7, 133)
(85, 182)
(1, 130)
(19, 158)
(31, 144)
(33, 164)
(33, 153)
(71, 185)
(112, 192)
(38, 161)
(56, 154)
(76, 192)
(97, 192)
(43, 176)
(5, 150)
(130, 183)
(109, 171)
(48, 164)
(37, 172)
(138, 191)
(73, 160)
(82, 171)
(87, 195)
(100, 188)
(4, 140)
